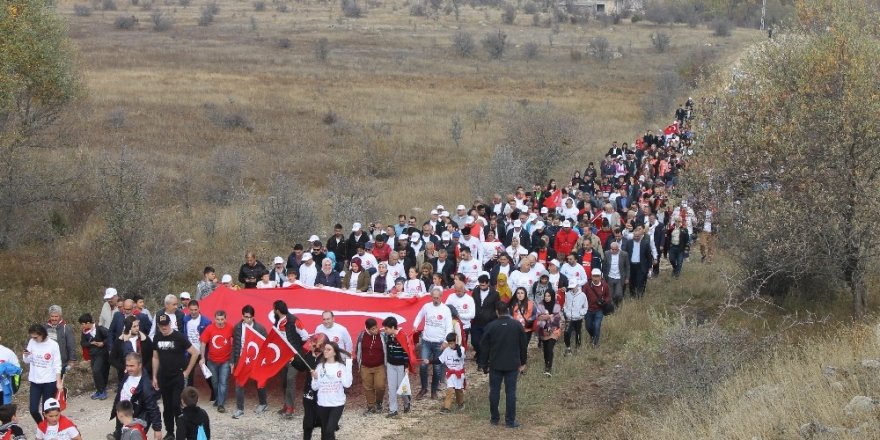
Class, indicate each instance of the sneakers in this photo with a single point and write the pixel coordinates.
(422, 393)
(370, 410)
(445, 411)
(221, 409)
(567, 351)
(288, 412)
(460, 406)
(237, 414)
(514, 425)
(99, 395)
(94, 395)
(261, 409)
(392, 415)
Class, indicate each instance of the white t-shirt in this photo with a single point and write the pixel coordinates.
(465, 306)
(337, 334)
(331, 383)
(64, 430)
(353, 281)
(192, 332)
(453, 362)
(266, 285)
(519, 278)
(415, 287)
(7, 355)
(471, 270)
(129, 387)
(438, 322)
(368, 261)
(574, 273)
(307, 274)
(45, 360)
(396, 271)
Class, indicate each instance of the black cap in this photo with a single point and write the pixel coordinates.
(163, 319)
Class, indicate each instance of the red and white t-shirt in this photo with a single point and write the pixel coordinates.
(64, 430)
(219, 342)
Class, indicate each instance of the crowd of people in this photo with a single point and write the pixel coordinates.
(545, 262)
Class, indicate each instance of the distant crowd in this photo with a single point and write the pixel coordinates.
(539, 263)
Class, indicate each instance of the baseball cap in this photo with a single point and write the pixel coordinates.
(460, 208)
(554, 262)
(445, 235)
(355, 227)
(572, 284)
(403, 237)
(314, 238)
(185, 295)
(415, 237)
(307, 256)
(469, 220)
(434, 212)
(539, 225)
(596, 272)
(109, 293)
(226, 278)
(566, 224)
(444, 214)
(532, 216)
(51, 405)
(544, 210)
(278, 260)
(456, 234)
(163, 319)
(517, 224)
(441, 208)
(369, 245)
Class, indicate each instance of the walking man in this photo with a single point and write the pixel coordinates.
(170, 369)
(503, 356)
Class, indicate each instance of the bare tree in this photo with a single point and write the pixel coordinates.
(287, 211)
(542, 136)
(350, 198)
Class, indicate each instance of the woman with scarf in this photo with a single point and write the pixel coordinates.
(503, 288)
(381, 281)
(549, 326)
(522, 309)
(356, 278)
(327, 276)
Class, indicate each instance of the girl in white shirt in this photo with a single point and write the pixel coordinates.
(264, 282)
(329, 379)
(44, 358)
(414, 286)
(453, 358)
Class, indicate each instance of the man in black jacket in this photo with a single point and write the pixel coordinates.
(485, 300)
(444, 265)
(296, 335)
(135, 387)
(94, 340)
(251, 271)
(339, 246)
(642, 256)
(504, 357)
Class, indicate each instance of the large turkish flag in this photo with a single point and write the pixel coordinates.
(275, 353)
(250, 352)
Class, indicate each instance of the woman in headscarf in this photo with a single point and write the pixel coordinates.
(327, 277)
(503, 288)
(381, 281)
(549, 326)
(356, 278)
(522, 309)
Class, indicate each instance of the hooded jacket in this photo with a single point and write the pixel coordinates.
(188, 422)
(136, 430)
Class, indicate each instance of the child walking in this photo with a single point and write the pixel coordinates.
(453, 358)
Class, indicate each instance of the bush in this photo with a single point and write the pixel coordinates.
(283, 43)
(161, 22)
(636, 18)
(495, 44)
(183, 3)
(721, 27)
(463, 43)
(660, 41)
(600, 48)
(288, 213)
(125, 22)
(260, 6)
(530, 50)
(283, 8)
(351, 9)
(543, 137)
(576, 55)
(208, 12)
(322, 50)
(508, 13)
(82, 10)
(530, 8)
(226, 175)
(330, 118)
(108, 5)
(657, 12)
(116, 118)
(436, 4)
(228, 120)
(417, 10)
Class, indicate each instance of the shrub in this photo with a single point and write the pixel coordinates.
(108, 5)
(183, 3)
(351, 9)
(260, 6)
(82, 10)
(436, 4)
(116, 118)
(576, 55)
(283, 43)
(530, 8)
(283, 8)
(288, 213)
(330, 118)
(463, 43)
(600, 48)
(508, 13)
(657, 12)
(530, 50)
(636, 18)
(322, 50)
(417, 10)
(229, 120)
(456, 129)
(161, 22)
(495, 44)
(125, 22)
(721, 27)
(208, 12)
(660, 41)
(542, 136)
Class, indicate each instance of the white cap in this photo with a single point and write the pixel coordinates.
(278, 260)
(50, 405)
(355, 227)
(522, 251)
(469, 220)
(534, 254)
(226, 278)
(684, 204)
(314, 238)
(517, 223)
(446, 236)
(434, 212)
(596, 272)
(572, 284)
(460, 208)
(109, 293)
(185, 295)
(539, 225)
(544, 210)
(566, 224)
(554, 262)
(441, 208)
(415, 237)
(403, 237)
(307, 256)
(444, 214)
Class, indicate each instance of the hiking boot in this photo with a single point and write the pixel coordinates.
(422, 393)
(460, 406)
(221, 409)
(288, 412)
(237, 414)
(370, 410)
(379, 408)
(407, 406)
(567, 352)
(392, 415)
(261, 409)
(433, 395)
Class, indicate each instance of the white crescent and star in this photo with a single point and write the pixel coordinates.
(214, 342)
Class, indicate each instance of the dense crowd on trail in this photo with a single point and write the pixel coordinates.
(540, 263)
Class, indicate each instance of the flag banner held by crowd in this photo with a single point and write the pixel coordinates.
(351, 309)
(250, 352)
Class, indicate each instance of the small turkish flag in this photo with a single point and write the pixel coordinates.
(275, 353)
(250, 351)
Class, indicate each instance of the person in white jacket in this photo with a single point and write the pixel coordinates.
(574, 311)
(44, 358)
(330, 378)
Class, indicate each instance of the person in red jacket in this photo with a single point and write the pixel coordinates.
(598, 294)
(565, 240)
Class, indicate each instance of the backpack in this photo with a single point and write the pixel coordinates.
(200, 434)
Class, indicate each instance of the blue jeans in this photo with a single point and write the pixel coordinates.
(509, 378)
(594, 326)
(39, 393)
(676, 258)
(430, 350)
(220, 379)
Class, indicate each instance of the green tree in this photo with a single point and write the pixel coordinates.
(792, 153)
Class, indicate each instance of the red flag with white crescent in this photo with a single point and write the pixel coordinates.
(275, 353)
(250, 352)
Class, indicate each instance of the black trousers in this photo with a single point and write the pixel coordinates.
(572, 327)
(100, 372)
(310, 417)
(548, 346)
(329, 417)
(191, 379)
(170, 388)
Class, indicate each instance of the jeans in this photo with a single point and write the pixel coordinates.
(170, 389)
(676, 258)
(100, 372)
(239, 397)
(430, 350)
(573, 327)
(329, 417)
(495, 379)
(220, 380)
(39, 393)
(373, 380)
(594, 326)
